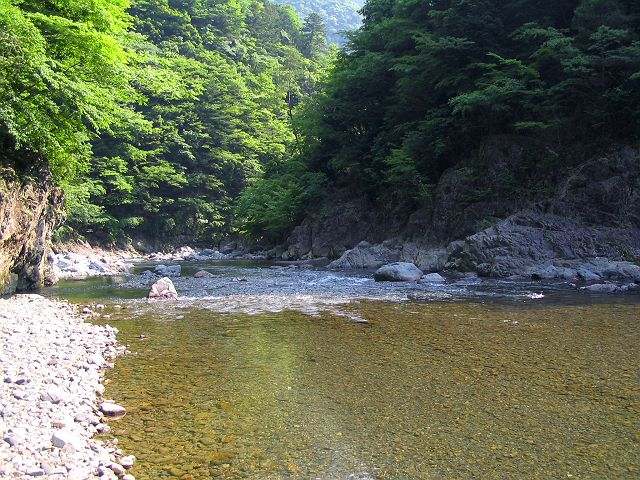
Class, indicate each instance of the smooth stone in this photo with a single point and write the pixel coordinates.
(128, 461)
(111, 409)
(603, 288)
(117, 469)
(63, 438)
(168, 270)
(203, 274)
(433, 278)
(398, 272)
(54, 395)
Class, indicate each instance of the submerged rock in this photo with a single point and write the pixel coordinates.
(163, 289)
(203, 274)
(398, 272)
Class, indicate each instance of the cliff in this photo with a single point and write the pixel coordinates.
(514, 209)
(30, 208)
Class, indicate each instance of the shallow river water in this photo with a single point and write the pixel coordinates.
(484, 381)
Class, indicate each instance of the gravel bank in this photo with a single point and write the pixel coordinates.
(51, 365)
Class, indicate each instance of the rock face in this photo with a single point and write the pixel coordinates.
(545, 246)
(365, 255)
(398, 272)
(500, 216)
(30, 208)
(341, 225)
(163, 289)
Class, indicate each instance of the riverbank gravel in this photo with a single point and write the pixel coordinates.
(51, 368)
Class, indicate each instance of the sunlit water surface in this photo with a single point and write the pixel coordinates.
(492, 386)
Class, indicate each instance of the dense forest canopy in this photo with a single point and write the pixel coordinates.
(202, 118)
(423, 83)
(154, 114)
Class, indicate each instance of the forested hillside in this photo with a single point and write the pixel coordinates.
(193, 120)
(338, 15)
(153, 115)
(423, 85)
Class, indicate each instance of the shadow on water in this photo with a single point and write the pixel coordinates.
(484, 387)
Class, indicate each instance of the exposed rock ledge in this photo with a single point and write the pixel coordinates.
(30, 207)
(583, 228)
(51, 364)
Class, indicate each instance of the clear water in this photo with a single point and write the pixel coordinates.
(487, 384)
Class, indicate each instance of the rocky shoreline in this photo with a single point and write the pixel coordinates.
(51, 403)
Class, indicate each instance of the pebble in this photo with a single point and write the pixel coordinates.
(128, 461)
(51, 366)
(111, 409)
(63, 438)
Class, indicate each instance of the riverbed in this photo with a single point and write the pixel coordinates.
(264, 372)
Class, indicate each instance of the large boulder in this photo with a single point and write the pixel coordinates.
(163, 289)
(365, 255)
(398, 272)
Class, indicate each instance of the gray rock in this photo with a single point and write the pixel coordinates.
(398, 272)
(364, 255)
(117, 469)
(168, 270)
(433, 278)
(163, 289)
(603, 288)
(425, 258)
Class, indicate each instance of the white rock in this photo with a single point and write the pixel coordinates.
(111, 409)
(63, 438)
(128, 461)
(163, 289)
(54, 395)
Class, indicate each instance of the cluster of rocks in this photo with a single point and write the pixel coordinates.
(90, 262)
(51, 366)
(502, 251)
(584, 230)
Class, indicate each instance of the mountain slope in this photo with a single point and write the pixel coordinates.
(339, 15)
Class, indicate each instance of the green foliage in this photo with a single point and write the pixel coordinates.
(63, 76)
(220, 81)
(423, 83)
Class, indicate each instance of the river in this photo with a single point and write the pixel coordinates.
(263, 372)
